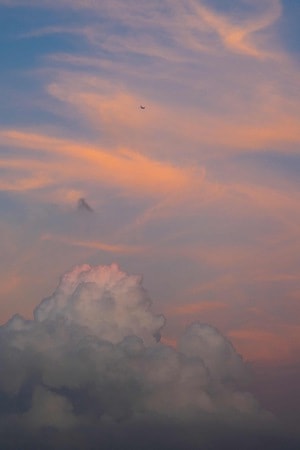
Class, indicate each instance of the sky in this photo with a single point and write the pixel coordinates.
(165, 239)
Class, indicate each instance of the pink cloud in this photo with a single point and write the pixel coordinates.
(189, 309)
(280, 344)
(123, 168)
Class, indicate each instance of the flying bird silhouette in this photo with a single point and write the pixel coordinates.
(142, 107)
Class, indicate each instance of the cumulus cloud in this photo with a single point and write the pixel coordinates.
(90, 370)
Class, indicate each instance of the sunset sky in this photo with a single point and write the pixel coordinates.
(198, 193)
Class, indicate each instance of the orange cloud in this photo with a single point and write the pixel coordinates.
(267, 120)
(237, 37)
(168, 341)
(96, 245)
(125, 169)
(195, 308)
(282, 344)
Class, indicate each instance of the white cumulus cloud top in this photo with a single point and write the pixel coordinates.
(107, 302)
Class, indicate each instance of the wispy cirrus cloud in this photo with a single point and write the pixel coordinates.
(235, 31)
(95, 245)
(124, 168)
(249, 111)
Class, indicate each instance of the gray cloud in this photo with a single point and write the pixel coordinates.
(88, 371)
(83, 205)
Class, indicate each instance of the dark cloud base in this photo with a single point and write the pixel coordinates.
(148, 434)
